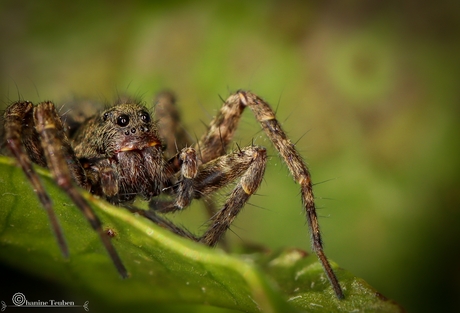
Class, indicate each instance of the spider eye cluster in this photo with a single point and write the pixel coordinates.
(123, 119)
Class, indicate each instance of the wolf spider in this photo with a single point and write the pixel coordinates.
(117, 154)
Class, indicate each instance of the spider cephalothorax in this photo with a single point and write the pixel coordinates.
(121, 153)
(118, 154)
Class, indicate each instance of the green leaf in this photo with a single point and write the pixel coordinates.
(166, 272)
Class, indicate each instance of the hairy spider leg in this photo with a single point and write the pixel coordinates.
(183, 189)
(254, 159)
(172, 132)
(15, 117)
(247, 165)
(63, 165)
(170, 127)
(219, 135)
(215, 141)
(298, 169)
(48, 125)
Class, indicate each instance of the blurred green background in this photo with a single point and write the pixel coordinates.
(368, 89)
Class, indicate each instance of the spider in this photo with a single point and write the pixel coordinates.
(117, 153)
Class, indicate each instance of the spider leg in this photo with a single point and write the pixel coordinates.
(183, 189)
(175, 137)
(249, 164)
(215, 141)
(103, 179)
(48, 126)
(15, 116)
(170, 127)
(298, 169)
(189, 169)
(162, 222)
(222, 128)
(184, 196)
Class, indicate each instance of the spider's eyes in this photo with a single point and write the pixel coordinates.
(123, 120)
(145, 117)
(105, 116)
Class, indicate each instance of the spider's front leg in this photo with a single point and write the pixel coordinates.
(249, 164)
(246, 165)
(57, 150)
(299, 171)
(219, 135)
(60, 159)
(16, 116)
(183, 189)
